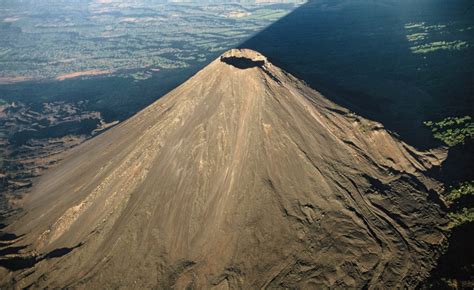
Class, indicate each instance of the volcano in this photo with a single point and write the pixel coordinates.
(242, 177)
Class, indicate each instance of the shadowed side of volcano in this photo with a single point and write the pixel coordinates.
(359, 54)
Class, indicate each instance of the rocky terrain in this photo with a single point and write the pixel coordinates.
(242, 177)
(33, 139)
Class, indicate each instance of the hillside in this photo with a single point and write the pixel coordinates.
(242, 177)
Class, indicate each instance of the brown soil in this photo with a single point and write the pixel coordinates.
(242, 177)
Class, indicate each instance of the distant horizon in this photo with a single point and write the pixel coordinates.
(236, 144)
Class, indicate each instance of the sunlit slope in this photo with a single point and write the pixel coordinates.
(242, 177)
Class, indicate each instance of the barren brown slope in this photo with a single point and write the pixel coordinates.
(242, 177)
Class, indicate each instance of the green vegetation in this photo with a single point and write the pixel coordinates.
(53, 38)
(452, 130)
(439, 45)
(421, 26)
(416, 36)
(453, 196)
(465, 215)
(267, 14)
(455, 266)
(462, 190)
(420, 32)
(415, 25)
(141, 75)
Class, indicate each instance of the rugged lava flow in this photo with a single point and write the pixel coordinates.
(241, 177)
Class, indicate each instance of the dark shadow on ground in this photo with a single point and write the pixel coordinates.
(242, 62)
(456, 263)
(5, 237)
(458, 166)
(13, 259)
(357, 54)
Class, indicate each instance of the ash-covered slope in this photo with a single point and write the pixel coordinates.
(242, 177)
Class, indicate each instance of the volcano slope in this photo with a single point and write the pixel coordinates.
(242, 177)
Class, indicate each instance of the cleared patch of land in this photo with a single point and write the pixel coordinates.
(93, 72)
(12, 80)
